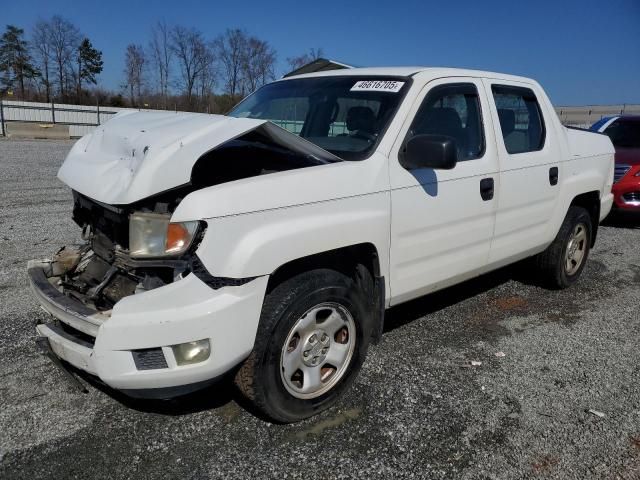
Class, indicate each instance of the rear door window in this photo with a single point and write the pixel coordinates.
(520, 118)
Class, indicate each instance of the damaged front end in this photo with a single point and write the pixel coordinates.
(128, 250)
(134, 296)
(132, 248)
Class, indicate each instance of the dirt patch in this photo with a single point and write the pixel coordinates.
(511, 304)
(544, 464)
(321, 426)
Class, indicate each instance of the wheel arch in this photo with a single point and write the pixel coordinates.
(343, 259)
(360, 261)
(590, 201)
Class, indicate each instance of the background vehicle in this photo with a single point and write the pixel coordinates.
(216, 243)
(624, 132)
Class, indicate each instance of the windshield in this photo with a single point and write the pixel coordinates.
(624, 133)
(345, 115)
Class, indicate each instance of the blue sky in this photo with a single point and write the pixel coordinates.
(583, 52)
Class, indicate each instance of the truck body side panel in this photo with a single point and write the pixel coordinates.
(242, 246)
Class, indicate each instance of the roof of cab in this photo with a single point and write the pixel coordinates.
(410, 71)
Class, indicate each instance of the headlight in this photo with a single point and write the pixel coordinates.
(152, 235)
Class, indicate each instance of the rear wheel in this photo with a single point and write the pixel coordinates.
(562, 262)
(311, 341)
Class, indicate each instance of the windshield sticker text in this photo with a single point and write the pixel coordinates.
(377, 86)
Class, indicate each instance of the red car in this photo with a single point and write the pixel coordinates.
(624, 132)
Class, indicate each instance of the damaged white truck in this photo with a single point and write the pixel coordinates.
(268, 243)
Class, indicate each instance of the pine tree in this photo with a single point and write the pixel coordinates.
(89, 63)
(15, 61)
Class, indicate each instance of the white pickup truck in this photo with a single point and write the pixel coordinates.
(268, 243)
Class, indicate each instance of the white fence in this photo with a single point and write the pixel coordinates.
(586, 116)
(81, 119)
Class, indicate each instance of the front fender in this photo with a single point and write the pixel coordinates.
(255, 244)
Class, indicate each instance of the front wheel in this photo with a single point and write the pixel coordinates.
(562, 262)
(311, 341)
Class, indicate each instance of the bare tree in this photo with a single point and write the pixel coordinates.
(205, 81)
(230, 50)
(258, 65)
(310, 56)
(43, 50)
(160, 55)
(134, 71)
(65, 39)
(193, 56)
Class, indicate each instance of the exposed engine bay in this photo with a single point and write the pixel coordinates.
(105, 269)
(100, 272)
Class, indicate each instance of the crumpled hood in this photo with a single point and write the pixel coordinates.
(138, 154)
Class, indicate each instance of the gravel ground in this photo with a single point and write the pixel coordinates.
(415, 411)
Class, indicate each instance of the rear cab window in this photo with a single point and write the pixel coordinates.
(520, 116)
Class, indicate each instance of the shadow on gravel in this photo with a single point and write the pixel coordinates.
(215, 396)
(407, 312)
(619, 219)
(224, 397)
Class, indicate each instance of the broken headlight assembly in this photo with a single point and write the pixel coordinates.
(152, 235)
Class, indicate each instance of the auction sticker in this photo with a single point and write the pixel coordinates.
(377, 86)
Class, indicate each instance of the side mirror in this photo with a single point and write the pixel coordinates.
(429, 151)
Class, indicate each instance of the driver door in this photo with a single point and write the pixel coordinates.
(442, 221)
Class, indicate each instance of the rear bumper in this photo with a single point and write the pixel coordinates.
(104, 344)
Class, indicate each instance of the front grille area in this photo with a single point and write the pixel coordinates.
(621, 171)
(112, 222)
(632, 198)
(149, 359)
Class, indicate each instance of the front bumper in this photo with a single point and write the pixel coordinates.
(626, 192)
(104, 344)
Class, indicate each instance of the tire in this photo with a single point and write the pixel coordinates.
(561, 264)
(289, 375)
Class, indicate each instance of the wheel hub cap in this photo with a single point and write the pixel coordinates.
(315, 348)
(576, 249)
(318, 350)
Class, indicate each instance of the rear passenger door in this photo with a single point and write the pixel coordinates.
(529, 170)
(442, 220)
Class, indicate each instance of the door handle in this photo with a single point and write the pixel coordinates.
(553, 175)
(486, 188)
